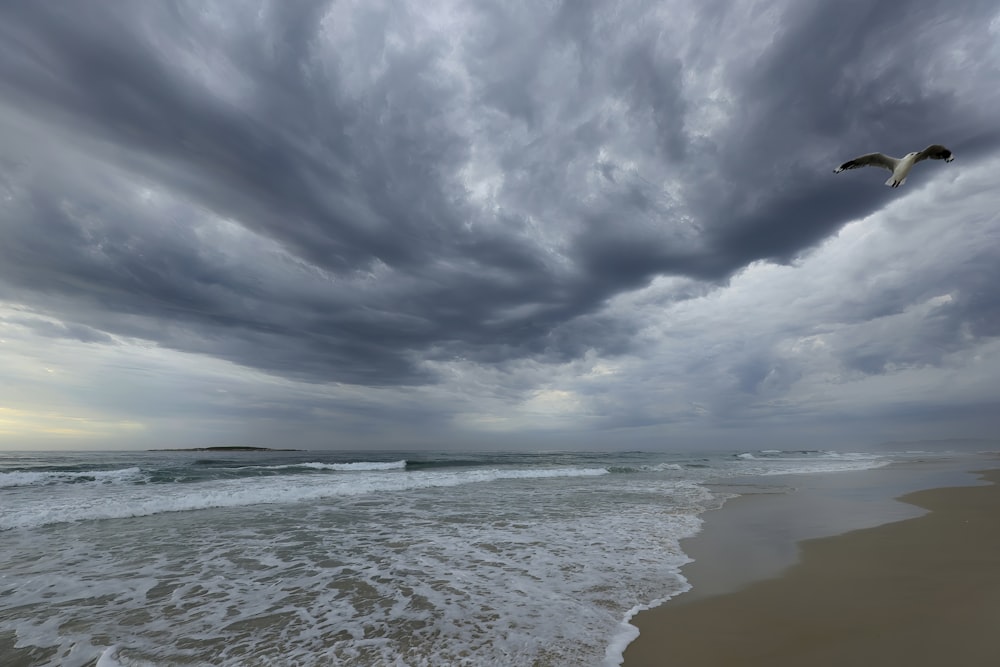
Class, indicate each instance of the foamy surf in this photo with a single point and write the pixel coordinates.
(30, 478)
(326, 558)
(355, 466)
(146, 500)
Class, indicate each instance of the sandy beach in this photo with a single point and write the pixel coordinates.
(918, 591)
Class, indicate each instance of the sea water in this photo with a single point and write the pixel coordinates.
(350, 558)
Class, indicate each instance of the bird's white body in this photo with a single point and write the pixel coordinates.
(902, 168)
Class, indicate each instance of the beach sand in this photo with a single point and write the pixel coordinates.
(915, 592)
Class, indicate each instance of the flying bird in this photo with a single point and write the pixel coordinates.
(899, 167)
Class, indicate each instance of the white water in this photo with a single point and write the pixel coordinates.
(100, 502)
(30, 478)
(319, 562)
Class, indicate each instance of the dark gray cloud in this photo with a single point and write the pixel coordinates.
(50, 329)
(843, 79)
(355, 195)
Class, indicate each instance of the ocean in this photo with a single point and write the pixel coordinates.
(415, 559)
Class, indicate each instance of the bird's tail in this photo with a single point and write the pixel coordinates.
(893, 183)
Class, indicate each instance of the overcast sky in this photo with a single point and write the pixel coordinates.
(477, 224)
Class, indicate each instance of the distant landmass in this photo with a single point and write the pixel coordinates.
(236, 448)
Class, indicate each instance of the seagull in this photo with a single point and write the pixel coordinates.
(899, 167)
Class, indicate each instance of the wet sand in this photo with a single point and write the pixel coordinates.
(919, 591)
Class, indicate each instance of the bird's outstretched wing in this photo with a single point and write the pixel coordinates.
(935, 152)
(870, 160)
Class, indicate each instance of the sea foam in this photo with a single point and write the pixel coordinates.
(429, 559)
(355, 466)
(30, 478)
(145, 500)
(425, 578)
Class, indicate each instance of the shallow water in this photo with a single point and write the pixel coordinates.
(319, 558)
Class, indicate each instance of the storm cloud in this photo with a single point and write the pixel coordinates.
(497, 217)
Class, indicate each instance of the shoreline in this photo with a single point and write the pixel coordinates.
(829, 574)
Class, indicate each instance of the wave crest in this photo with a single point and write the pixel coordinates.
(48, 477)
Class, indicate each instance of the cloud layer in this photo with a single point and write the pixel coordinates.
(497, 217)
